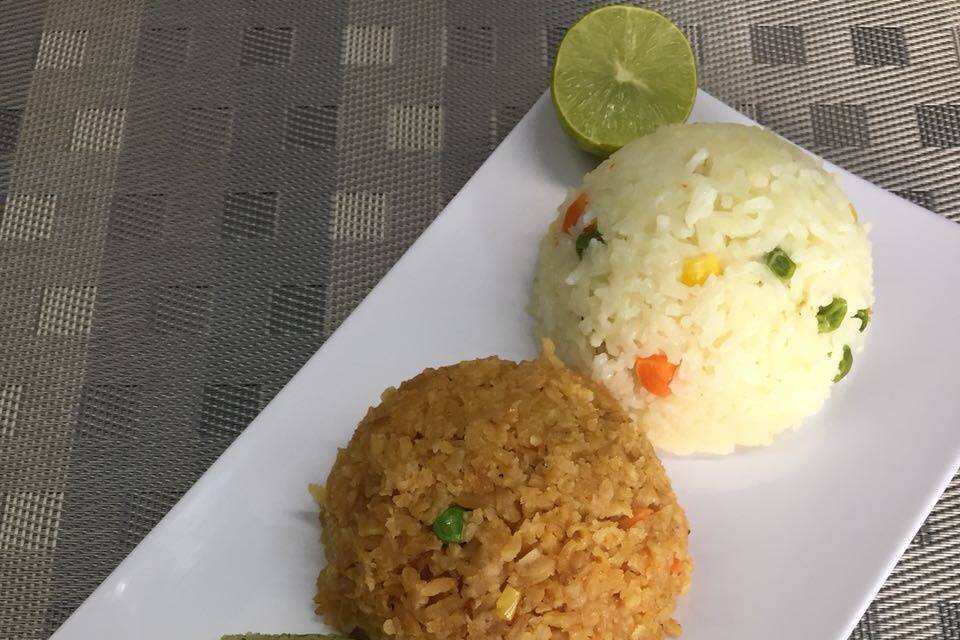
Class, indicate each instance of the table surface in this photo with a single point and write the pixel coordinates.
(193, 196)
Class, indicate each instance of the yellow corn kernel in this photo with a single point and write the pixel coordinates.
(853, 212)
(507, 603)
(317, 492)
(672, 628)
(697, 269)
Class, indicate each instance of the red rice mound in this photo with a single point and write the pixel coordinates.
(568, 504)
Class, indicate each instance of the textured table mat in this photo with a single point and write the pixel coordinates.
(194, 194)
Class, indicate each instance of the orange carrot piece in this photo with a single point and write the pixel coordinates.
(574, 211)
(655, 373)
(676, 565)
(639, 513)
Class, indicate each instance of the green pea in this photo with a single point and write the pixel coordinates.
(845, 363)
(830, 316)
(864, 317)
(583, 240)
(780, 263)
(449, 524)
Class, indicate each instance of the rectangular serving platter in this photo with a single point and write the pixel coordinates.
(790, 541)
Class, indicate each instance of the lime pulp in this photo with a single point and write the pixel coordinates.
(621, 72)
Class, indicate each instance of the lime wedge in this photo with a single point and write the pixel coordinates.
(283, 636)
(621, 72)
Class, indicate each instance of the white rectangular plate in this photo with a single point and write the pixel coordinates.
(790, 542)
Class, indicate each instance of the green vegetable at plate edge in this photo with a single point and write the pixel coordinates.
(845, 363)
(583, 240)
(830, 317)
(864, 317)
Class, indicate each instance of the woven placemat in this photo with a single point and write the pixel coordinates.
(195, 194)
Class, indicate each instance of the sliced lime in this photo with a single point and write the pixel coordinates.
(621, 72)
(282, 636)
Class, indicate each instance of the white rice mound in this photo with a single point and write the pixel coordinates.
(752, 362)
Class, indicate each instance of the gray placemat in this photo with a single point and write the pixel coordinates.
(195, 194)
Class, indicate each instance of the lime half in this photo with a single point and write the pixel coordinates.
(620, 73)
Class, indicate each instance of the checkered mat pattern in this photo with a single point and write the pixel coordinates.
(193, 196)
